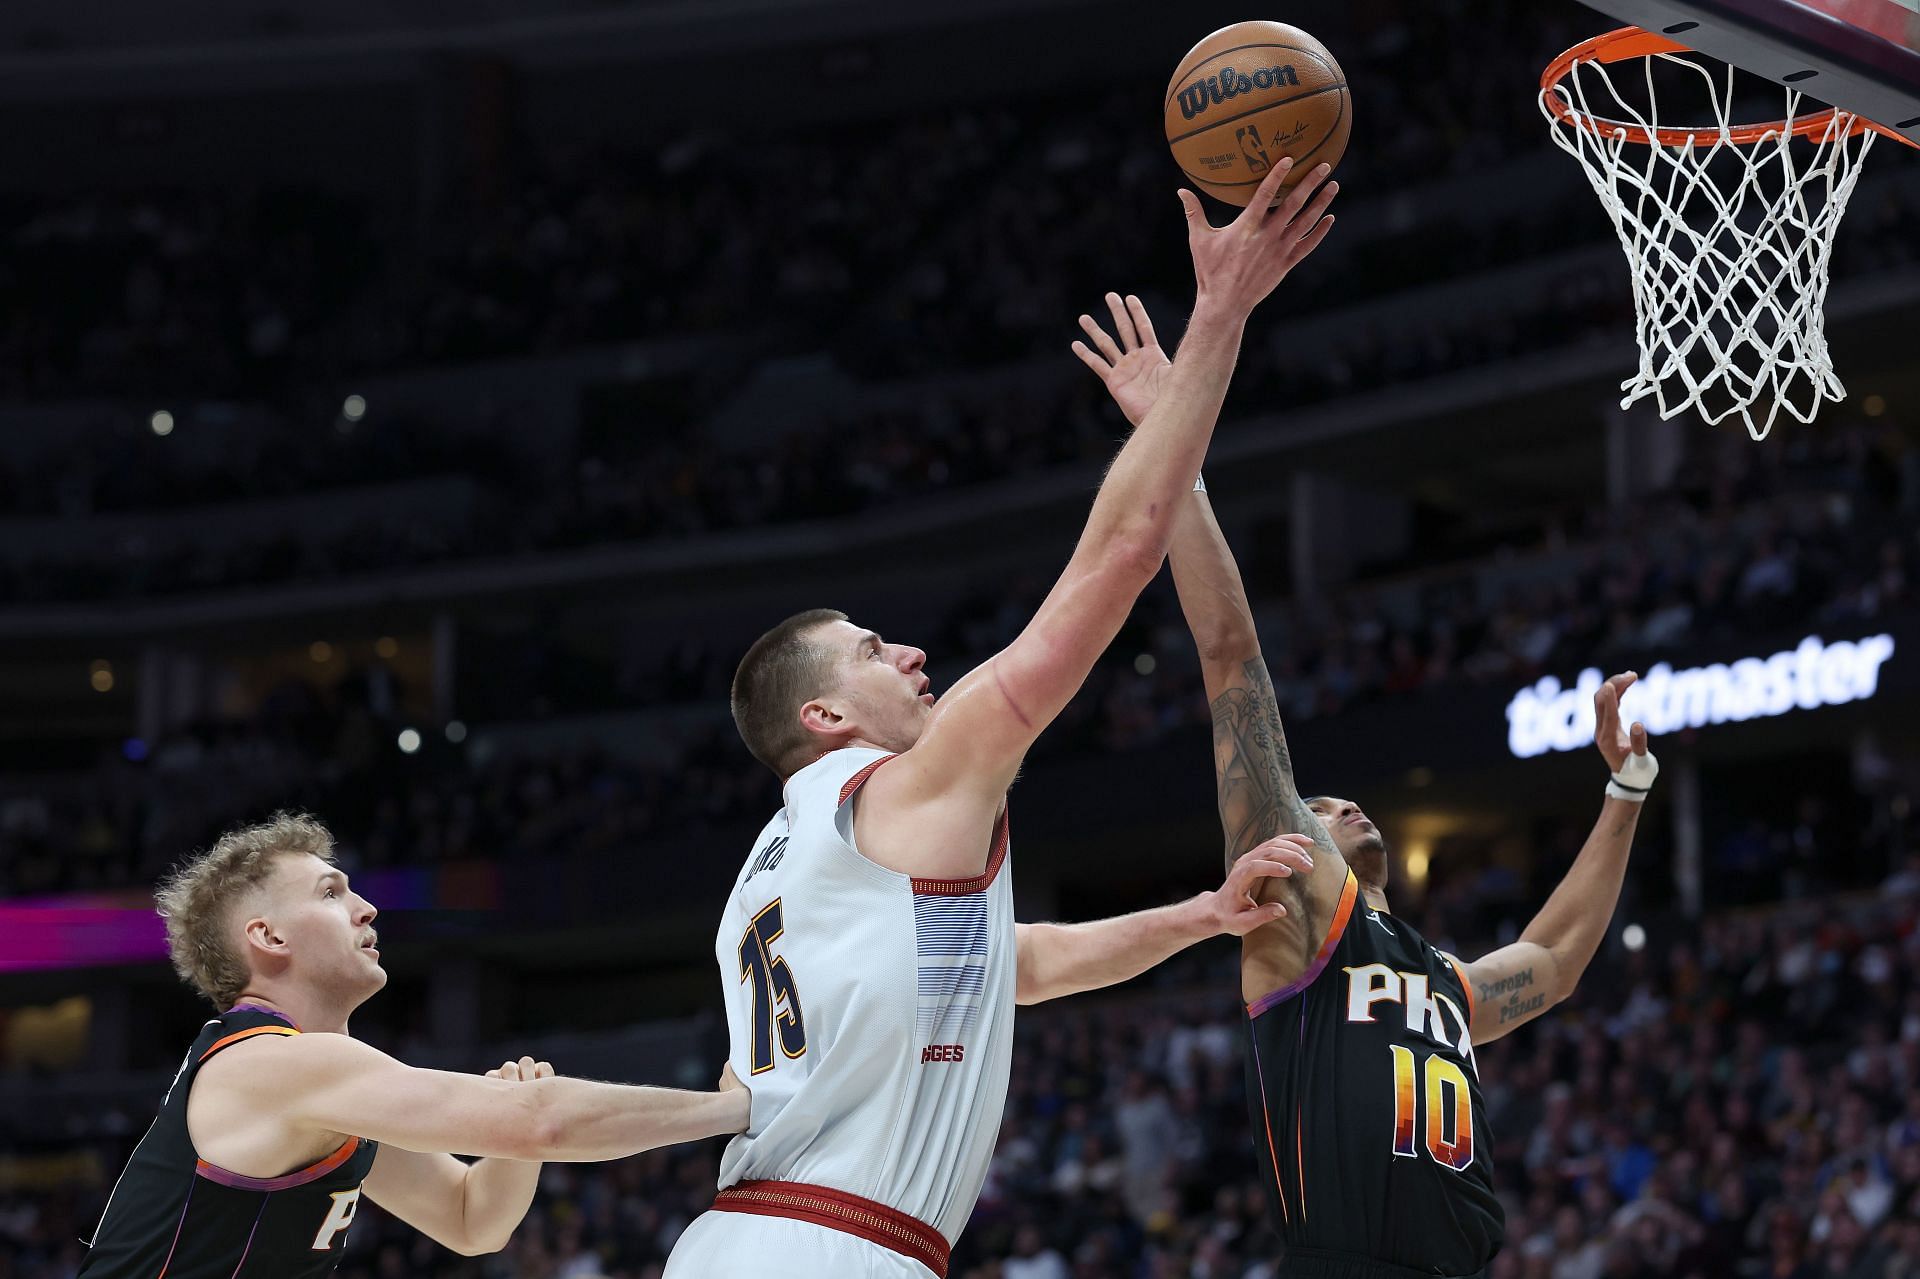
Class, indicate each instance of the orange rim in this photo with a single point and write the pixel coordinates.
(1637, 42)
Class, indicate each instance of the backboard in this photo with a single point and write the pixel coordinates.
(1860, 55)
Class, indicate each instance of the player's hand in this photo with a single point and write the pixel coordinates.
(522, 1071)
(1237, 265)
(1614, 742)
(1233, 908)
(1132, 371)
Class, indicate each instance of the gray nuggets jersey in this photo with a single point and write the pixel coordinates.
(871, 1014)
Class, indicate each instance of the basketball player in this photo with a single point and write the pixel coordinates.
(868, 947)
(1365, 1096)
(277, 1120)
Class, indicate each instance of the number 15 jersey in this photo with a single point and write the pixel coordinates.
(1366, 1107)
(871, 1013)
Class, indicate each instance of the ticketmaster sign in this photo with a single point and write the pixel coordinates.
(1546, 717)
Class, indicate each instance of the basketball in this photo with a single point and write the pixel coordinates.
(1249, 94)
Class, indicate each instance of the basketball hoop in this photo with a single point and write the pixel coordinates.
(1728, 230)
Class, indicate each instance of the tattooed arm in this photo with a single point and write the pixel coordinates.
(1258, 798)
(1517, 983)
(1252, 767)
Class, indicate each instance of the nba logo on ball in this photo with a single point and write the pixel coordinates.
(1248, 95)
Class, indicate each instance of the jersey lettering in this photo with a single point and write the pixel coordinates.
(1449, 1109)
(943, 1052)
(339, 1217)
(767, 858)
(1369, 984)
(773, 986)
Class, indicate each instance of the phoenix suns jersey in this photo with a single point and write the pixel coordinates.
(870, 1012)
(1367, 1115)
(172, 1213)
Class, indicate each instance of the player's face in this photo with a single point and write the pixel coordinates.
(884, 695)
(327, 928)
(1353, 833)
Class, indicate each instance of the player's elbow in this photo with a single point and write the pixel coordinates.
(1229, 646)
(483, 1244)
(1137, 554)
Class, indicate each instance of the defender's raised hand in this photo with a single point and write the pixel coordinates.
(1239, 264)
(1134, 370)
(1616, 743)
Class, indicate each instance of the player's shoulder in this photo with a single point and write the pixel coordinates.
(834, 779)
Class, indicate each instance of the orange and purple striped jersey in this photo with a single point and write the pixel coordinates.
(173, 1215)
(1367, 1115)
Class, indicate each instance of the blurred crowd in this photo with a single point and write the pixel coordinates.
(268, 297)
(1820, 536)
(1739, 1097)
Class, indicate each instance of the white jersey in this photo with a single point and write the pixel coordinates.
(871, 1013)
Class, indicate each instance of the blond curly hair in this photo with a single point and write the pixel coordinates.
(197, 899)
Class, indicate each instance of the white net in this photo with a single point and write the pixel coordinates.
(1728, 239)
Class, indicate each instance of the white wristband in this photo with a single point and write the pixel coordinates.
(1199, 483)
(1634, 779)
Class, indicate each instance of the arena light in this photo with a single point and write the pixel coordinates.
(1144, 664)
(409, 741)
(456, 732)
(354, 409)
(1633, 937)
(161, 422)
(1545, 716)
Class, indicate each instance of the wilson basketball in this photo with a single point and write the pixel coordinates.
(1249, 94)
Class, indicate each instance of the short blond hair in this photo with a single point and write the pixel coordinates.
(197, 899)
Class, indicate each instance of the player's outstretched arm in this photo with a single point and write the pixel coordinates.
(1252, 767)
(1065, 959)
(470, 1208)
(333, 1083)
(1515, 984)
(985, 723)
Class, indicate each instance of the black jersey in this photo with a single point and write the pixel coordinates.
(173, 1215)
(1366, 1105)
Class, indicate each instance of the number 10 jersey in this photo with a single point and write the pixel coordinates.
(1367, 1117)
(871, 1013)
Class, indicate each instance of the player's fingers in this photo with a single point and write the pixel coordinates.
(1624, 681)
(1122, 322)
(1142, 325)
(1301, 222)
(1291, 845)
(1196, 216)
(1295, 199)
(1312, 239)
(1255, 214)
(543, 1070)
(527, 1066)
(1100, 338)
(1272, 868)
(1638, 736)
(1099, 366)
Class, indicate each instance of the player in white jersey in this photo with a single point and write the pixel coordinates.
(868, 949)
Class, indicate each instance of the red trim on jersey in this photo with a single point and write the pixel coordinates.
(838, 1210)
(859, 779)
(1341, 914)
(979, 883)
(944, 887)
(300, 1177)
